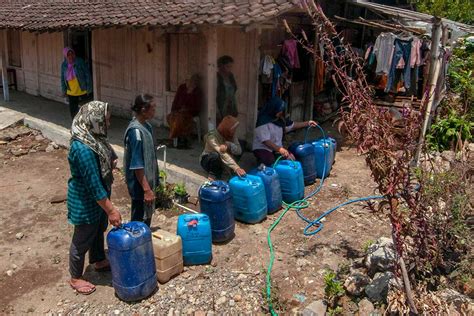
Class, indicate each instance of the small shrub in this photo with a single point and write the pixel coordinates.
(332, 287)
(367, 244)
(180, 189)
(335, 311)
(447, 131)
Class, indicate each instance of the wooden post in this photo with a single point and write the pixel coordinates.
(3, 65)
(308, 113)
(211, 76)
(254, 99)
(38, 83)
(95, 64)
(432, 80)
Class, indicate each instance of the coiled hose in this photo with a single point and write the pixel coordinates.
(313, 226)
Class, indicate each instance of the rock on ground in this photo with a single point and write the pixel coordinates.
(377, 290)
(366, 308)
(355, 283)
(380, 256)
(316, 308)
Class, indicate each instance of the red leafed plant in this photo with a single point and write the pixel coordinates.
(389, 146)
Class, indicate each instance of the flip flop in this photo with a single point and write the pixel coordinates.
(80, 289)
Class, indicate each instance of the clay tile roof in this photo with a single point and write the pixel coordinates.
(48, 15)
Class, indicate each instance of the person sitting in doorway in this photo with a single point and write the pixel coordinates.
(219, 147)
(186, 106)
(140, 165)
(270, 128)
(76, 83)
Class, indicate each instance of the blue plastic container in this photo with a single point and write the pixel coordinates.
(132, 261)
(271, 181)
(291, 180)
(325, 153)
(216, 202)
(249, 199)
(304, 153)
(195, 232)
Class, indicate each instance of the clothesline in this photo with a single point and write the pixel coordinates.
(380, 25)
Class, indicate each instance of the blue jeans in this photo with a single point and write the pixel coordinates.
(401, 49)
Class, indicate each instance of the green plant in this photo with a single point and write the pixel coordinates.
(457, 10)
(367, 244)
(447, 131)
(180, 189)
(332, 287)
(335, 311)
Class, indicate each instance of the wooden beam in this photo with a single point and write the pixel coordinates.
(3, 65)
(95, 42)
(211, 77)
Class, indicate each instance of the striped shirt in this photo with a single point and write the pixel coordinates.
(85, 186)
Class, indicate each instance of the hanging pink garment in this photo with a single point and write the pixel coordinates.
(290, 50)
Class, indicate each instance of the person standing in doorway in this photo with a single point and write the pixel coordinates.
(141, 167)
(76, 82)
(226, 89)
(91, 160)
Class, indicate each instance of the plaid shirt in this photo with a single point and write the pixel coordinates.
(85, 186)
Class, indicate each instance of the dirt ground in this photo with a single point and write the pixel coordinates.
(35, 237)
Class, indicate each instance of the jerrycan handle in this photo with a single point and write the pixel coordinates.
(307, 131)
(133, 231)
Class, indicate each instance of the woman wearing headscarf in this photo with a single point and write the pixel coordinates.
(186, 105)
(91, 161)
(76, 81)
(270, 128)
(140, 165)
(219, 147)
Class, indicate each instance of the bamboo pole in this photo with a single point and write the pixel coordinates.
(433, 75)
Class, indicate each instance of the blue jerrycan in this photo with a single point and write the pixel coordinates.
(195, 232)
(271, 181)
(132, 261)
(215, 200)
(304, 153)
(324, 154)
(249, 199)
(291, 180)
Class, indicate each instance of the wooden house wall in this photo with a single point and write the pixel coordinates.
(127, 62)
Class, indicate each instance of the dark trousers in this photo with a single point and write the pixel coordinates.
(87, 237)
(74, 102)
(213, 164)
(401, 49)
(138, 212)
(264, 156)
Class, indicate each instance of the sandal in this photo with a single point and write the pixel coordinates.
(84, 289)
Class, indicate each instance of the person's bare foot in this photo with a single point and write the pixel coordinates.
(82, 286)
(102, 266)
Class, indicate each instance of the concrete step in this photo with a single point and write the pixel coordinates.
(62, 136)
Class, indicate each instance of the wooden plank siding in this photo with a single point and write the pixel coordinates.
(50, 49)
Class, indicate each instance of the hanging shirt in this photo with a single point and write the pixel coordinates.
(415, 56)
(383, 50)
(267, 65)
(290, 50)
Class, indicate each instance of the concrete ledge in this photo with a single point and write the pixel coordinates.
(61, 136)
(55, 133)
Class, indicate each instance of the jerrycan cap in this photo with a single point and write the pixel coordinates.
(193, 223)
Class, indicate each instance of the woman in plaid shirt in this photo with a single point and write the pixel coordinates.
(91, 160)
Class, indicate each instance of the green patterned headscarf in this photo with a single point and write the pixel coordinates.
(90, 128)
